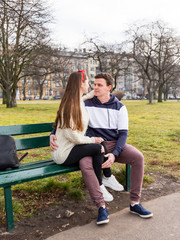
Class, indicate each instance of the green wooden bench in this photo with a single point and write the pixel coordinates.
(33, 170)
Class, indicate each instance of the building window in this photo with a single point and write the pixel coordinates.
(57, 84)
(35, 92)
(46, 92)
(23, 81)
(46, 82)
(29, 81)
(29, 92)
(57, 93)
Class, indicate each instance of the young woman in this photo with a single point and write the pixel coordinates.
(71, 124)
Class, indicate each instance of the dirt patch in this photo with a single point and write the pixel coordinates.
(69, 213)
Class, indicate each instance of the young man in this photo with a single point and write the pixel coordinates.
(109, 120)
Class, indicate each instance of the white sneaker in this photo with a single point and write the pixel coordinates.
(112, 183)
(106, 195)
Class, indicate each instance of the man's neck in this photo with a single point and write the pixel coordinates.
(104, 99)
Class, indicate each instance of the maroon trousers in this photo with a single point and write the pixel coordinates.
(130, 155)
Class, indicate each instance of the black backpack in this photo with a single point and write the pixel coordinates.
(8, 155)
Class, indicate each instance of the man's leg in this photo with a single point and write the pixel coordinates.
(91, 181)
(92, 184)
(130, 155)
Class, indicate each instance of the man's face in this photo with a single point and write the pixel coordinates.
(101, 88)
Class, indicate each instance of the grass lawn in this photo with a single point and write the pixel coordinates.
(153, 129)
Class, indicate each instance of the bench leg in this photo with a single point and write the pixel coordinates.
(9, 208)
(128, 169)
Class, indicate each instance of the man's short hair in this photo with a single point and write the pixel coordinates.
(106, 76)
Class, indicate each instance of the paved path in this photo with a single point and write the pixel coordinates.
(165, 224)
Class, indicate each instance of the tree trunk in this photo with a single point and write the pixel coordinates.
(160, 91)
(11, 99)
(115, 83)
(24, 92)
(4, 98)
(150, 92)
(150, 97)
(165, 95)
(64, 81)
(40, 91)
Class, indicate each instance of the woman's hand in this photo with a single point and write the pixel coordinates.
(98, 140)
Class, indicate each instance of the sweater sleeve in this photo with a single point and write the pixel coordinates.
(88, 96)
(76, 137)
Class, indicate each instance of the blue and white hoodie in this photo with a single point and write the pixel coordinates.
(108, 120)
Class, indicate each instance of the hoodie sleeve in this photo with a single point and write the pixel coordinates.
(53, 132)
(122, 131)
(123, 134)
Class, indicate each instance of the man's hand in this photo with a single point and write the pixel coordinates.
(110, 160)
(53, 145)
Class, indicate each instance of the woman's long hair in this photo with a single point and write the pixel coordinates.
(69, 108)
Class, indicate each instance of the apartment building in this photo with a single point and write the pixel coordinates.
(53, 84)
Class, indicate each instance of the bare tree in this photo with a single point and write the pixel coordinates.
(64, 65)
(22, 32)
(156, 49)
(173, 83)
(96, 49)
(111, 57)
(117, 61)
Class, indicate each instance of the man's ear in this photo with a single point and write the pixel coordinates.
(109, 88)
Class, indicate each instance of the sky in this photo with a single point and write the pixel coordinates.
(74, 20)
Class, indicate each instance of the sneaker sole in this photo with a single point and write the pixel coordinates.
(115, 189)
(102, 222)
(142, 216)
(107, 200)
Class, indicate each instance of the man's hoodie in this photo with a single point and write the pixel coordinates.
(108, 120)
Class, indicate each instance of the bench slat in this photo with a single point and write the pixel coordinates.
(14, 177)
(30, 165)
(26, 129)
(31, 143)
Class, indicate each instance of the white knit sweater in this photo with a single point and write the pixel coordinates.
(68, 138)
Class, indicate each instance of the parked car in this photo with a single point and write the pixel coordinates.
(45, 98)
(27, 98)
(55, 98)
(37, 97)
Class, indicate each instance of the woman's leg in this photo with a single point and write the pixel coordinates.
(83, 150)
(106, 171)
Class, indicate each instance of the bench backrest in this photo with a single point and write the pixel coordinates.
(32, 142)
